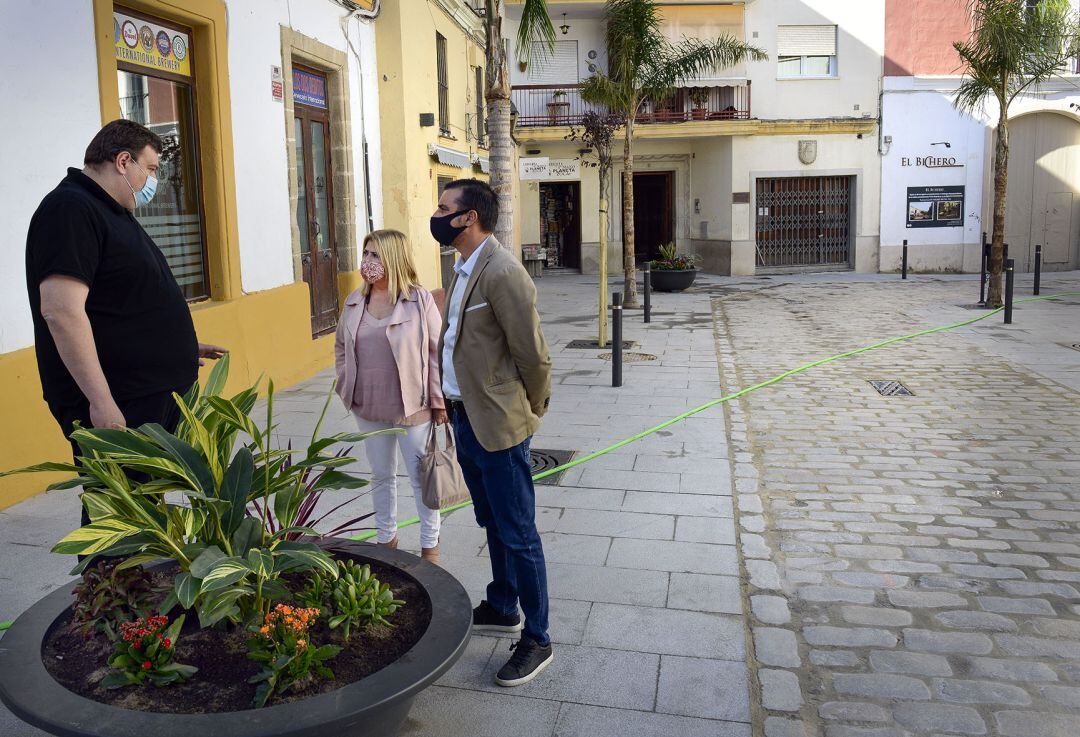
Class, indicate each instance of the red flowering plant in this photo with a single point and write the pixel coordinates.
(143, 652)
(282, 643)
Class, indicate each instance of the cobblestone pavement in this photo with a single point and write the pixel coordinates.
(912, 563)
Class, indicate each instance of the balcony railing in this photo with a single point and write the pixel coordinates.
(561, 105)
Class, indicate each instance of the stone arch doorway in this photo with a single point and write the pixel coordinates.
(1044, 191)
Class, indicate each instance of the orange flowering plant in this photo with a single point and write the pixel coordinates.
(282, 643)
(143, 651)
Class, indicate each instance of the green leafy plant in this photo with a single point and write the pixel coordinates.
(282, 643)
(230, 562)
(359, 599)
(316, 592)
(671, 261)
(109, 595)
(699, 96)
(143, 652)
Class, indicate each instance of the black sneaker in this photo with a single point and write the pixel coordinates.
(525, 664)
(485, 618)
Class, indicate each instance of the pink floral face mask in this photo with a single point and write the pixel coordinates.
(372, 271)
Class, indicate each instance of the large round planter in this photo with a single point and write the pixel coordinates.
(670, 280)
(375, 706)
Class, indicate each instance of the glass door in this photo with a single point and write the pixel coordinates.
(315, 202)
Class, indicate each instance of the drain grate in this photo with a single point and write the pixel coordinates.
(1074, 346)
(586, 344)
(631, 357)
(892, 389)
(543, 459)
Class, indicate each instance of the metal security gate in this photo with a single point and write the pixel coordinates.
(803, 221)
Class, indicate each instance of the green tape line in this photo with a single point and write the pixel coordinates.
(727, 398)
(4, 626)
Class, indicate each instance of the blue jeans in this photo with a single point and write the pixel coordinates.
(504, 501)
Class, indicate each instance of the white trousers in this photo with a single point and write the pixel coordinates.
(382, 455)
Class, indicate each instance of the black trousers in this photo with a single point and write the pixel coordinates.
(160, 408)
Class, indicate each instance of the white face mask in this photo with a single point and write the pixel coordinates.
(144, 195)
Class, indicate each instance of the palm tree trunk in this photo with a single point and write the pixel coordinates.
(1001, 177)
(501, 144)
(605, 167)
(629, 275)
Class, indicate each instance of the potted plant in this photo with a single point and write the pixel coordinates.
(699, 97)
(673, 272)
(558, 107)
(247, 621)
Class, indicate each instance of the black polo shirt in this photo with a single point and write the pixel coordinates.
(141, 322)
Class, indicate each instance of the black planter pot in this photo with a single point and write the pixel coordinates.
(375, 706)
(671, 280)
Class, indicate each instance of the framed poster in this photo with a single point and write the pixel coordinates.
(935, 207)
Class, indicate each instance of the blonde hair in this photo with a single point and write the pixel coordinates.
(395, 253)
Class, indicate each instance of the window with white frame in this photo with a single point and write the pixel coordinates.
(805, 51)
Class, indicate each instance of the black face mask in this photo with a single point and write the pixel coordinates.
(443, 231)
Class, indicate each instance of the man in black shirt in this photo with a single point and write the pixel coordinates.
(113, 334)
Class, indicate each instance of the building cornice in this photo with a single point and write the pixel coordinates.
(708, 129)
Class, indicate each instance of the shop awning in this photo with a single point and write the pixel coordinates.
(706, 22)
(483, 162)
(449, 156)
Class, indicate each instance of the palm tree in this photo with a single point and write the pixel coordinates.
(644, 65)
(1014, 46)
(535, 34)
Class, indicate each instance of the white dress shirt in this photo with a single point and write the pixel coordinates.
(464, 270)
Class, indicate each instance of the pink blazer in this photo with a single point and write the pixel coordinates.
(405, 332)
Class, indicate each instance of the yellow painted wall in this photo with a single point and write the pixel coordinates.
(408, 86)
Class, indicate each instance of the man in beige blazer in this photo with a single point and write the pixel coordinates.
(496, 375)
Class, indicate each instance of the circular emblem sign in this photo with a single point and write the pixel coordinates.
(164, 45)
(131, 36)
(179, 48)
(146, 36)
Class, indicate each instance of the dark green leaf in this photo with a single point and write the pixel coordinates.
(206, 560)
(189, 458)
(186, 589)
(234, 489)
(249, 534)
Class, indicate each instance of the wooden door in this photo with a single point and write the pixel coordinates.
(315, 215)
(1058, 227)
(653, 213)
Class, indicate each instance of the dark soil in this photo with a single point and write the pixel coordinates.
(221, 657)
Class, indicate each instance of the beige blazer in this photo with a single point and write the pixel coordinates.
(406, 332)
(501, 357)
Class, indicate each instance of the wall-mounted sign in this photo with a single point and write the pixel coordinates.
(541, 167)
(277, 84)
(308, 88)
(149, 44)
(935, 207)
(932, 162)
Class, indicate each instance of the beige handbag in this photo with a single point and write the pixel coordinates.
(440, 474)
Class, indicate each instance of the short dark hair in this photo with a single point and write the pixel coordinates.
(119, 136)
(479, 196)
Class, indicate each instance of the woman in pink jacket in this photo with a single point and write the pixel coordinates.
(388, 376)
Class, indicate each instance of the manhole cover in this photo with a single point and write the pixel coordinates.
(891, 389)
(585, 344)
(631, 357)
(545, 460)
(1074, 346)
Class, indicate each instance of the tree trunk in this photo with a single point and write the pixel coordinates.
(500, 144)
(997, 241)
(629, 271)
(605, 167)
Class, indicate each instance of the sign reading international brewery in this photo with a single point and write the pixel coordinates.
(932, 162)
(935, 207)
(541, 167)
(308, 88)
(149, 44)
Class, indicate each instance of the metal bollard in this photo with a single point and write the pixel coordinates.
(903, 267)
(982, 271)
(1008, 291)
(616, 338)
(1038, 269)
(648, 292)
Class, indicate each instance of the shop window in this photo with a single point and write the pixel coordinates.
(806, 51)
(155, 74)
